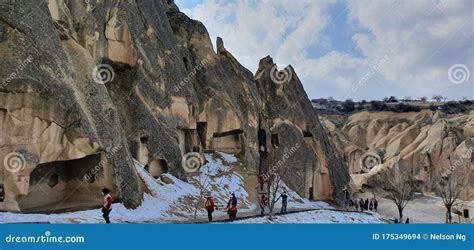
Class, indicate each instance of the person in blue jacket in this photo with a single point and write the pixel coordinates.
(232, 206)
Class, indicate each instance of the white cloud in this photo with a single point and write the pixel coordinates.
(420, 40)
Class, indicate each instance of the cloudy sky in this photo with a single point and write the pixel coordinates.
(352, 49)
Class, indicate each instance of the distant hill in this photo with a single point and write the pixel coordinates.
(331, 106)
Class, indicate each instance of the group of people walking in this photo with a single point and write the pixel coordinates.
(231, 208)
(364, 205)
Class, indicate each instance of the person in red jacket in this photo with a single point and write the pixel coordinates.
(209, 207)
(107, 205)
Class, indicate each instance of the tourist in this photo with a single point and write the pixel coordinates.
(232, 207)
(407, 221)
(356, 205)
(376, 204)
(209, 205)
(2, 194)
(107, 207)
(261, 181)
(263, 204)
(366, 204)
(361, 204)
(263, 151)
(371, 206)
(284, 201)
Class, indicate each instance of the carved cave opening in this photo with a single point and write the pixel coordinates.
(275, 140)
(61, 186)
(202, 130)
(307, 133)
(157, 167)
(228, 142)
(188, 140)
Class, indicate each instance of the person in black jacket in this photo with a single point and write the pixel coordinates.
(361, 204)
(284, 201)
(2, 194)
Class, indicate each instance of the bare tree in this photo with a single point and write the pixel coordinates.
(449, 187)
(273, 170)
(438, 98)
(398, 185)
(203, 181)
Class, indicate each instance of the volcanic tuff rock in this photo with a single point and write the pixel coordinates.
(161, 92)
(426, 142)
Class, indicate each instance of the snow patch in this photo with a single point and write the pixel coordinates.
(316, 216)
(164, 203)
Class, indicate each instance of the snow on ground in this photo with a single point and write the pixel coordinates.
(295, 201)
(316, 216)
(424, 209)
(176, 202)
(164, 203)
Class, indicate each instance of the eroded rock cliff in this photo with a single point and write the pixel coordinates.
(86, 86)
(426, 142)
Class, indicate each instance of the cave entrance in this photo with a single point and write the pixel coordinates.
(228, 142)
(157, 167)
(308, 137)
(262, 138)
(186, 63)
(61, 186)
(275, 140)
(187, 140)
(202, 130)
(311, 195)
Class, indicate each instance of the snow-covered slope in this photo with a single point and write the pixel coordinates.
(177, 201)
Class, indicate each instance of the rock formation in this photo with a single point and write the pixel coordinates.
(423, 142)
(88, 86)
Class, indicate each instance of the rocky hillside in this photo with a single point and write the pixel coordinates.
(425, 142)
(88, 86)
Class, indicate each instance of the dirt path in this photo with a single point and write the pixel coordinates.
(256, 214)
